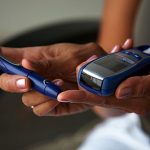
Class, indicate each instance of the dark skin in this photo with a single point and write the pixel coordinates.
(132, 95)
(77, 99)
(49, 62)
(137, 98)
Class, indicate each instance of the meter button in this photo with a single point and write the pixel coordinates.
(125, 59)
(137, 56)
(128, 52)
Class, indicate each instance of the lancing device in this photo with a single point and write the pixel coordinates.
(103, 75)
(38, 83)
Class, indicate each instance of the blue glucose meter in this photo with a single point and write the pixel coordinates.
(103, 75)
(38, 83)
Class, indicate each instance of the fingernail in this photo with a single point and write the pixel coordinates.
(125, 93)
(59, 83)
(91, 58)
(115, 49)
(126, 43)
(63, 100)
(21, 83)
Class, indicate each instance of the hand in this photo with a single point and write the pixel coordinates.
(132, 95)
(58, 60)
(55, 61)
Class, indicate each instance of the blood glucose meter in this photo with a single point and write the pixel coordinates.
(103, 75)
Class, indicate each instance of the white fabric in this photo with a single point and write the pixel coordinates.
(119, 133)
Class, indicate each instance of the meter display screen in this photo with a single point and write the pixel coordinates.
(112, 63)
(91, 81)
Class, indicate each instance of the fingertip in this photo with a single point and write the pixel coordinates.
(26, 63)
(128, 44)
(91, 58)
(58, 82)
(128, 87)
(115, 49)
(71, 96)
(62, 97)
(23, 84)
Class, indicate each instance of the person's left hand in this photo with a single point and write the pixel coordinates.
(58, 61)
(132, 95)
(53, 61)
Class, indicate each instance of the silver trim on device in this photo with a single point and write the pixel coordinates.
(92, 74)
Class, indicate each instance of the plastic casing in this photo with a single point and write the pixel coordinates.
(109, 84)
(38, 83)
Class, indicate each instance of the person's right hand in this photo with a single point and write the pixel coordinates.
(132, 95)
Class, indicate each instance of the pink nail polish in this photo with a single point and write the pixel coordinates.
(115, 49)
(21, 83)
(126, 43)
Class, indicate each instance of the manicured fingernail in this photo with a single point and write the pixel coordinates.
(115, 49)
(21, 83)
(91, 58)
(59, 83)
(63, 100)
(125, 93)
(126, 43)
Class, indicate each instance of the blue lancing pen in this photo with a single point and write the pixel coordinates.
(38, 83)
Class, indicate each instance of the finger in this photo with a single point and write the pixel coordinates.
(115, 49)
(72, 96)
(37, 66)
(49, 68)
(34, 98)
(58, 82)
(128, 44)
(44, 108)
(81, 96)
(14, 83)
(134, 87)
(14, 54)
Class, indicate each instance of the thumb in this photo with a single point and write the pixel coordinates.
(14, 83)
(138, 86)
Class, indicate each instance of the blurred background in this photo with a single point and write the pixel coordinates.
(36, 22)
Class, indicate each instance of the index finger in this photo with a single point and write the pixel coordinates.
(13, 54)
